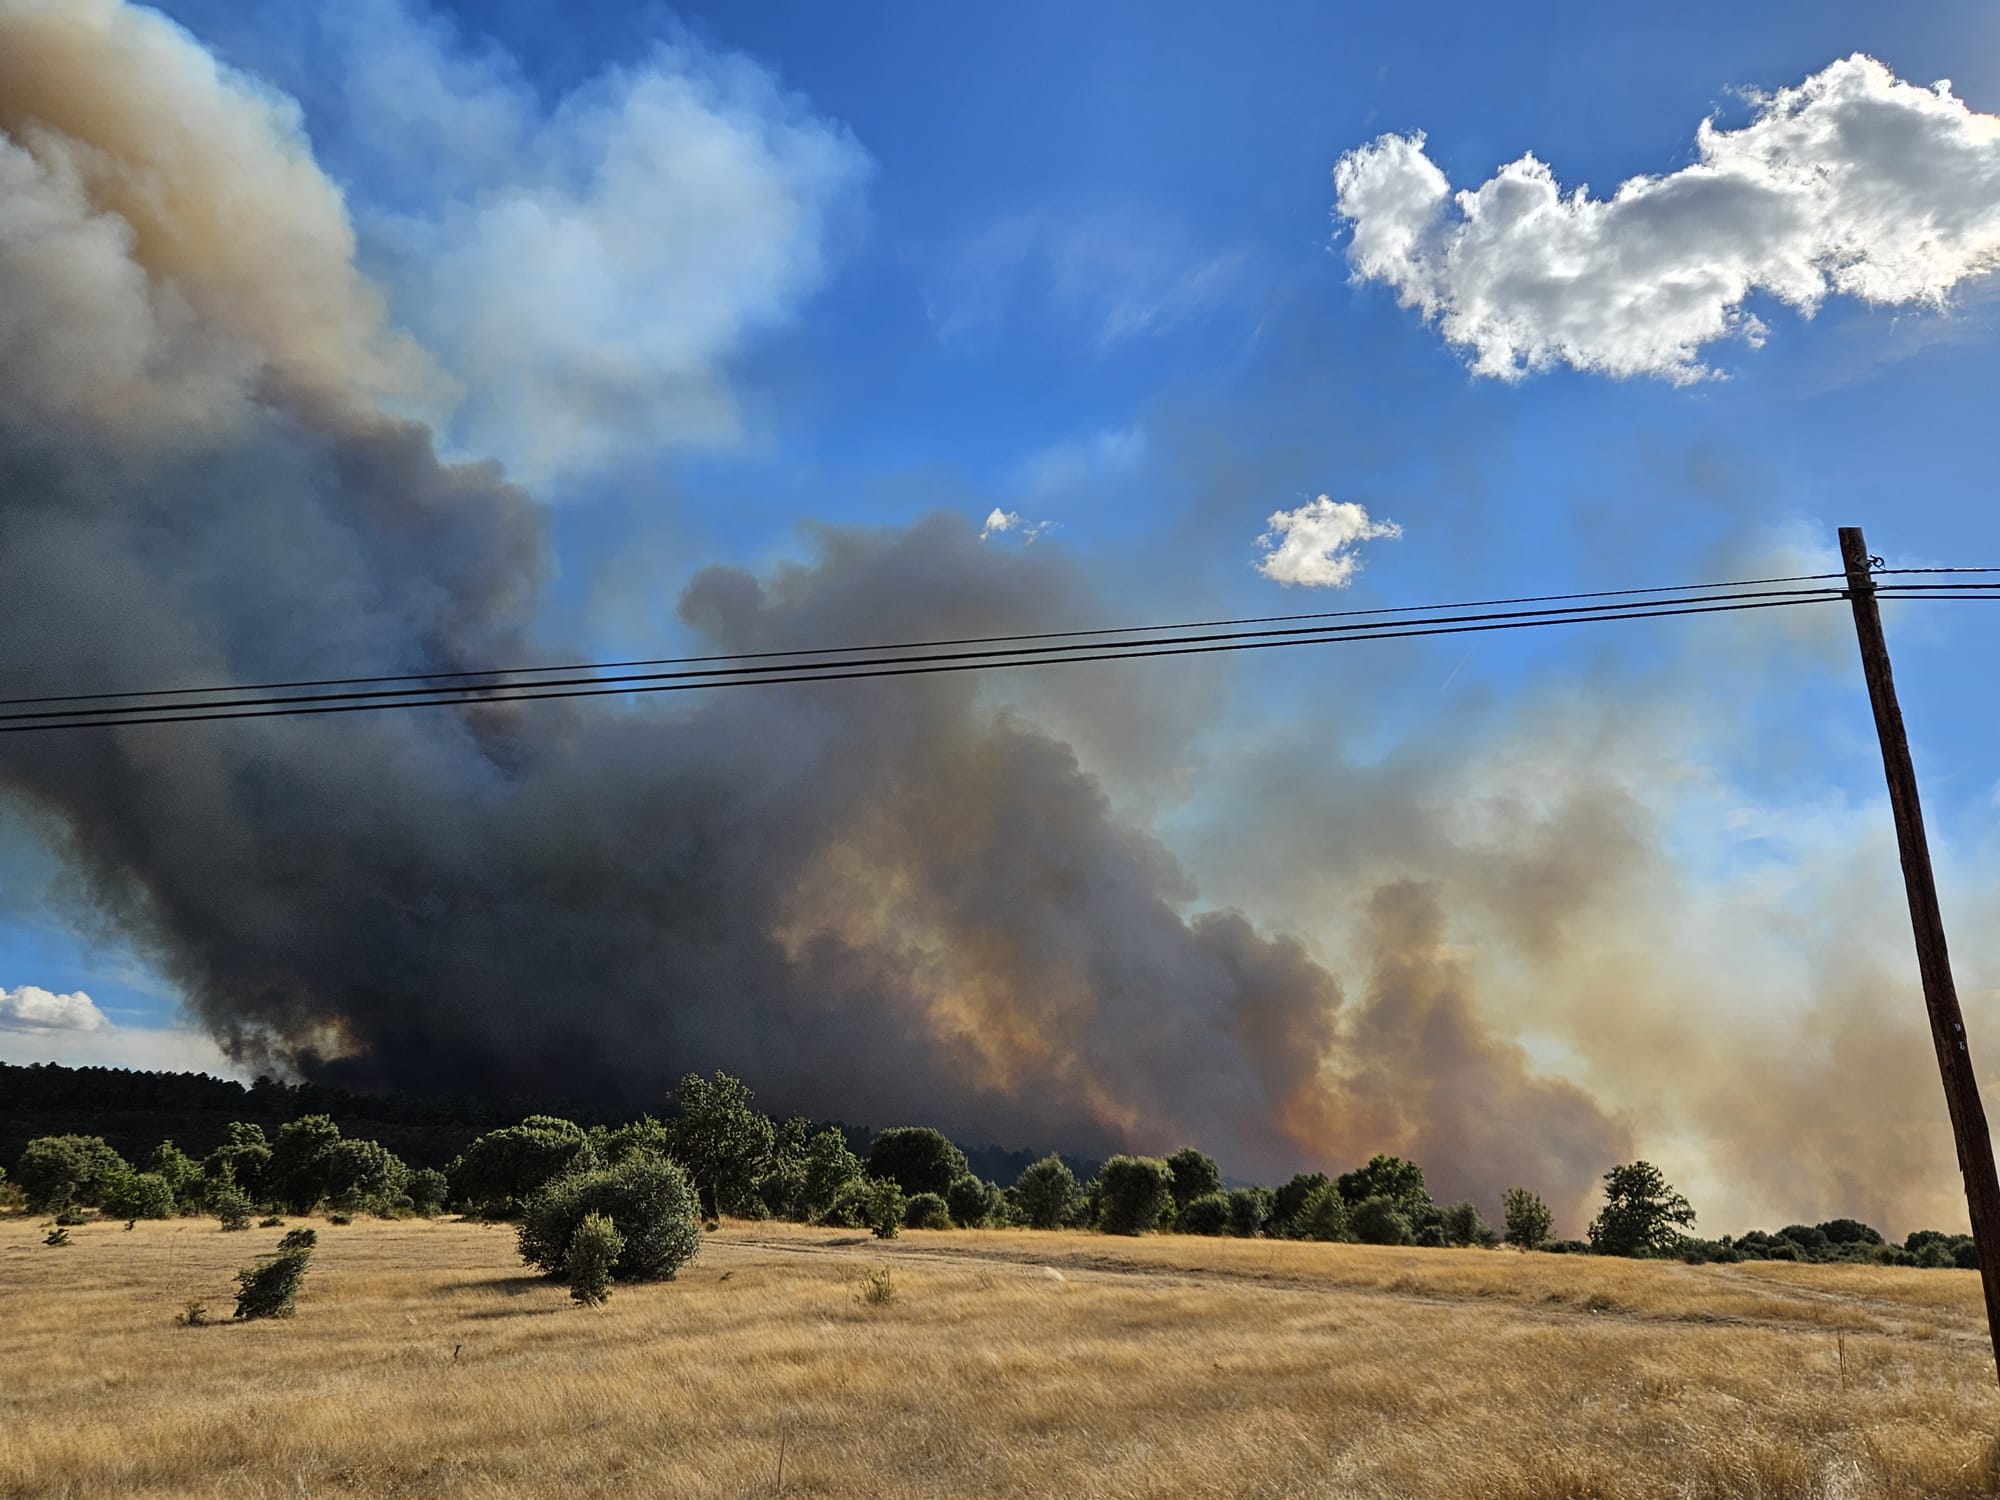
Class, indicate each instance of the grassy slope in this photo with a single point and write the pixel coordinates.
(424, 1362)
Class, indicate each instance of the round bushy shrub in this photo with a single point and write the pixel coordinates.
(1208, 1214)
(1323, 1215)
(648, 1200)
(1131, 1192)
(1249, 1211)
(1047, 1194)
(917, 1159)
(926, 1211)
(139, 1195)
(593, 1252)
(63, 1171)
(975, 1203)
(269, 1290)
(1377, 1221)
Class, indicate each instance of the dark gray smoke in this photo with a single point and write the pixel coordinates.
(880, 901)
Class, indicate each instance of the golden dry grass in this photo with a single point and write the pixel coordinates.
(424, 1361)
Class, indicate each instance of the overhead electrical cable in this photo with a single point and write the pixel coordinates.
(926, 645)
(910, 665)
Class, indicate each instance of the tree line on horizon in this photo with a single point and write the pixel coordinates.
(735, 1161)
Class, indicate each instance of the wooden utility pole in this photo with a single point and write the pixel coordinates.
(1961, 1086)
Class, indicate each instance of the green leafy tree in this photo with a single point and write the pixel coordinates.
(503, 1168)
(926, 1211)
(1047, 1194)
(1527, 1218)
(244, 1154)
(1378, 1221)
(228, 1202)
(364, 1174)
(594, 1248)
(827, 1167)
(1195, 1176)
(67, 1171)
(975, 1203)
(1642, 1214)
(301, 1169)
(1462, 1224)
(781, 1190)
(1323, 1215)
(429, 1189)
(138, 1195)
(723, 1142)
(651, 1202)
(1290, 1200)
(1208, 1214)
(644, 1134)
(917, 1159)
(1249, 1211)
(1132, 1192)
(1401, 1182)
(882, 1206)
(180, 1172)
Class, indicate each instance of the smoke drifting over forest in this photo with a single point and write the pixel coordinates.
(877, 901)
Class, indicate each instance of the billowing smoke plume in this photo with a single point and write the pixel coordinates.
(880, 901)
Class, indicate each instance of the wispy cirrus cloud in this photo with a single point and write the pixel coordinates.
(1853, 183)
(1118, 276)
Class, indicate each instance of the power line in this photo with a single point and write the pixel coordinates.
(986, 640)
(916, 666)
(635, 680)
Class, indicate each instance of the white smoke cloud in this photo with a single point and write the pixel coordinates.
(1852, 183)
(29, 1007)
(588, 271)
(1313, 546)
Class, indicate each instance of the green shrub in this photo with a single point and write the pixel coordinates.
(1249, 1211)
(244, 1157)
(849, 1208)
(1208, 1214)
(70, 1218)
(428, 1190)
(926, 1211)
(502, 1169)
(1290, 1200)
(826, 1167)
(1463, 1225)
(270, 1290)
(65, 1171)
(270, 1221)
(299, 1173)
(298, 1239)
(228, 1202)
(1401, 1182)
(650, 1201)
(917, 1159)
(1194, 1176)
(180, 1172)
(882, 1207)
(340, 1219)
(1323, 1215)
(975, 1203)
(138, 1195)
(1132, 1190)
(1528, 1220)
(1378, 1221)
(1047, 1194)
(57, 1236)
(592, 1255)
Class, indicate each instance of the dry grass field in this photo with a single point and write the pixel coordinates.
(425, 1361)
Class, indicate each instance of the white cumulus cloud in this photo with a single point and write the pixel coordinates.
(1852, 183)
(1313, 546)
(1000, 522)
(29, 1007)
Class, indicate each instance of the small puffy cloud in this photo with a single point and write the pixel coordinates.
(1313, 546)
(1002, 522)
(1852, 183)
(29, 1007)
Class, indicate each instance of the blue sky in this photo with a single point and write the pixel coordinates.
(1082, 265)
